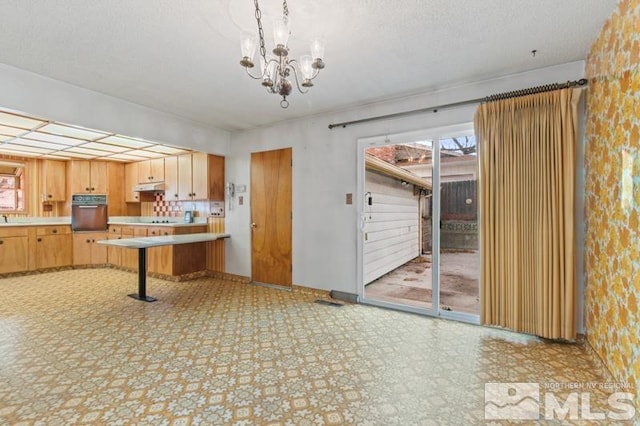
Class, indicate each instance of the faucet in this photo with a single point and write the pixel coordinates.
(6, 220)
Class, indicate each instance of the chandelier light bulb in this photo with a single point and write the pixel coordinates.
(280, 34)
(306, 66)
(248, 48)
(317, 48)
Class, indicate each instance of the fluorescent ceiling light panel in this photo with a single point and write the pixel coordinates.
(38, 144)
(105, 147)
(11, 131)
(145, 153)
(9, 151)
(83, 150)
(78, 155)
(54, 138)
(122, 141)
(56, 157)
(71, 131)
(126, 157)
(169, 150)
(14, 120)
(22, 148)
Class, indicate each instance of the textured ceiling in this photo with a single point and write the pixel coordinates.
(181, 56)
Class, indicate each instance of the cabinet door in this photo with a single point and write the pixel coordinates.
(160, 259)
(171, 179)
(14, 254)
(216, 178)
(116, 189)
(98, 251)
(131, 179)
(80, 176)
(114, 254)
(53, 251)
(184, 177)
(199, 176)
(82, 249)
(156, 169)
(54, 180)
(98, 177)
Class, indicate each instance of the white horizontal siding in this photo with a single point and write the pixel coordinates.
(392, 226)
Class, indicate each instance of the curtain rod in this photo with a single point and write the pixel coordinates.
(491, 98)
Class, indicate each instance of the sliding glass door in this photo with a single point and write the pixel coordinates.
(419, 236)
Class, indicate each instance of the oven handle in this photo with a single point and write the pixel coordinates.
(88, 207)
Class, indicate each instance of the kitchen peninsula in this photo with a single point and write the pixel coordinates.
(48, 243)
(143, 243)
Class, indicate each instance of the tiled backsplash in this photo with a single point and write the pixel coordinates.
(164, 208)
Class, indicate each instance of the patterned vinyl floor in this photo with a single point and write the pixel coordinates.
(75, 350)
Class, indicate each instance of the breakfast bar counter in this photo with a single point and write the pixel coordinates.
(143, 243)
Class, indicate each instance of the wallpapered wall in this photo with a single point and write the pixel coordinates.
(612, 264)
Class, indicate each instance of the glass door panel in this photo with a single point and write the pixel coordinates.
(459, 249)
(397, 224)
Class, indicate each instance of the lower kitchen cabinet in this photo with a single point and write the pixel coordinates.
(86, 251)
(14, 250)
(129, 257)
(53, 246)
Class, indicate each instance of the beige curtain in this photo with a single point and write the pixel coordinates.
(527, 168)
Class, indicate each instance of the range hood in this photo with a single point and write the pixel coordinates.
(144, 187)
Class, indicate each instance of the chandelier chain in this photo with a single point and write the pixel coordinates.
(263, 50)
(285, 9)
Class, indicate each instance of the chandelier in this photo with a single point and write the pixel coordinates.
(276, 69)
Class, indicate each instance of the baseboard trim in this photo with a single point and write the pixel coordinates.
(344, 296)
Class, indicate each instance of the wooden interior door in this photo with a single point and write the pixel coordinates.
(271, 215)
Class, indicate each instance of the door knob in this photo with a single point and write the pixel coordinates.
(253, 225)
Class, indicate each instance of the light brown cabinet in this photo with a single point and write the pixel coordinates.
(53, 246)
(86, 251)
(130, 180)
(87, 177)
(150, 171)
(116, 188)
(200, 177)
(14, 250)
(130, 256)
(53, 180)
(171, 179)
(179, 259)
(114, 254)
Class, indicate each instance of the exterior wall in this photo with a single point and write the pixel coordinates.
(612, 253)
(392, 235)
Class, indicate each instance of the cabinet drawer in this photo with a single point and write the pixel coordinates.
(115, 230)
(156, 231)
(20, 231)
(53, 230)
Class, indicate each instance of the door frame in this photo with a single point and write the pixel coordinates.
(434, 134)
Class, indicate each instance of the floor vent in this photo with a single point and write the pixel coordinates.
(329, 303)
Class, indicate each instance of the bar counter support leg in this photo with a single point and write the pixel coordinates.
(142, 278)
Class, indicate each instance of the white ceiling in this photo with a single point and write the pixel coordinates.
(181, 56)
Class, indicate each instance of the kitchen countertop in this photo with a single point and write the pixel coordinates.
(168, 225)
(146, 242)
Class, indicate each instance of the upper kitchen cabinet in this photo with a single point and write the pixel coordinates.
(130, 180)
(150, 171)
(87, 177)
(53, 180)
(171, 179)
(200, 177)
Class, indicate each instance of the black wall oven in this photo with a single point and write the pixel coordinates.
(89, 212)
